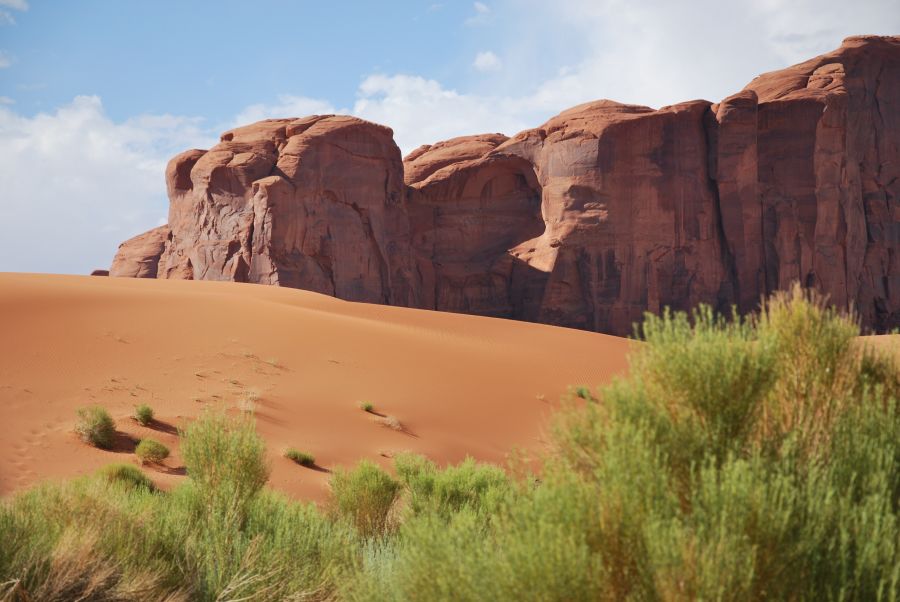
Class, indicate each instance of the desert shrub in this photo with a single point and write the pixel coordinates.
(479, 487)
(364, 496)
(127, 474)
(226, 460)
(143, 414)
(96, 426)
(366, 406)
(151, 451)
(302, 458)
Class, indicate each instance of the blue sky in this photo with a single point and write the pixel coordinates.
(95, 96)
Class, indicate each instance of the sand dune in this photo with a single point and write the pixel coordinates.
(460, 385)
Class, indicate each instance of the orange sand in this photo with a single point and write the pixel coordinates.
(460, 385)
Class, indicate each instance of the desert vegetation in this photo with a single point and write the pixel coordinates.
(143, 414)
(151, 451)
(95, 426)
(300, 457)
(741, 459)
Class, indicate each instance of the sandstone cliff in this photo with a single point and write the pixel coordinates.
(602, 213)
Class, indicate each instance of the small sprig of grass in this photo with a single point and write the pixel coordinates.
(143, 414)
(585, 393)
(366, 406)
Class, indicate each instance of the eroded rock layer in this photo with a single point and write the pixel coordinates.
(604, 212)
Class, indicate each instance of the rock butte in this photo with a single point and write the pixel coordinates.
(604, 212)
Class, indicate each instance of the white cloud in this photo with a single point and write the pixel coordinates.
(6, 18)
(422, 111)
(482, 15)
(286, 106)
(487, 61)
(6, 100)
(15, 4)
(658, 52)
(75, 183)
(5, 60)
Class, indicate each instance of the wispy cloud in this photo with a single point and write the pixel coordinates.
(482, 15)
(5, 60)
(15, 4)
(6, 17)
(287, 105)
(487, 61)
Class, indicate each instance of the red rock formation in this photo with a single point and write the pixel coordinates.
(138, 257)
(315, 203)
(602, 213)
(829, 176)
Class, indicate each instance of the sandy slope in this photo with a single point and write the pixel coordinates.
(461, 385)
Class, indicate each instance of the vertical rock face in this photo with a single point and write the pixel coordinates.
(604, 212)
(316, 203)
(829, 176)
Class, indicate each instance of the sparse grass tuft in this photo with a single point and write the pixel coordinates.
(302, 458)
(96, 426)
(584, 393)
(143, 414)
(151, 451)
(366, 406)
(391, 422)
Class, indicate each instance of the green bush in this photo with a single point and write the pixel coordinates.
(302, 458)
(226, 460)
(151, 451)
(479, 487)
(96, 426)
(366, 406)
(143, 414)
(364, 496)
(127, 474)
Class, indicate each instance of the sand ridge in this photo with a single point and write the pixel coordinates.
(459, 385)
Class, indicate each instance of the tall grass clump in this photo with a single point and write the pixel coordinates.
(365, 496)
(96, 426)
(226, 461)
